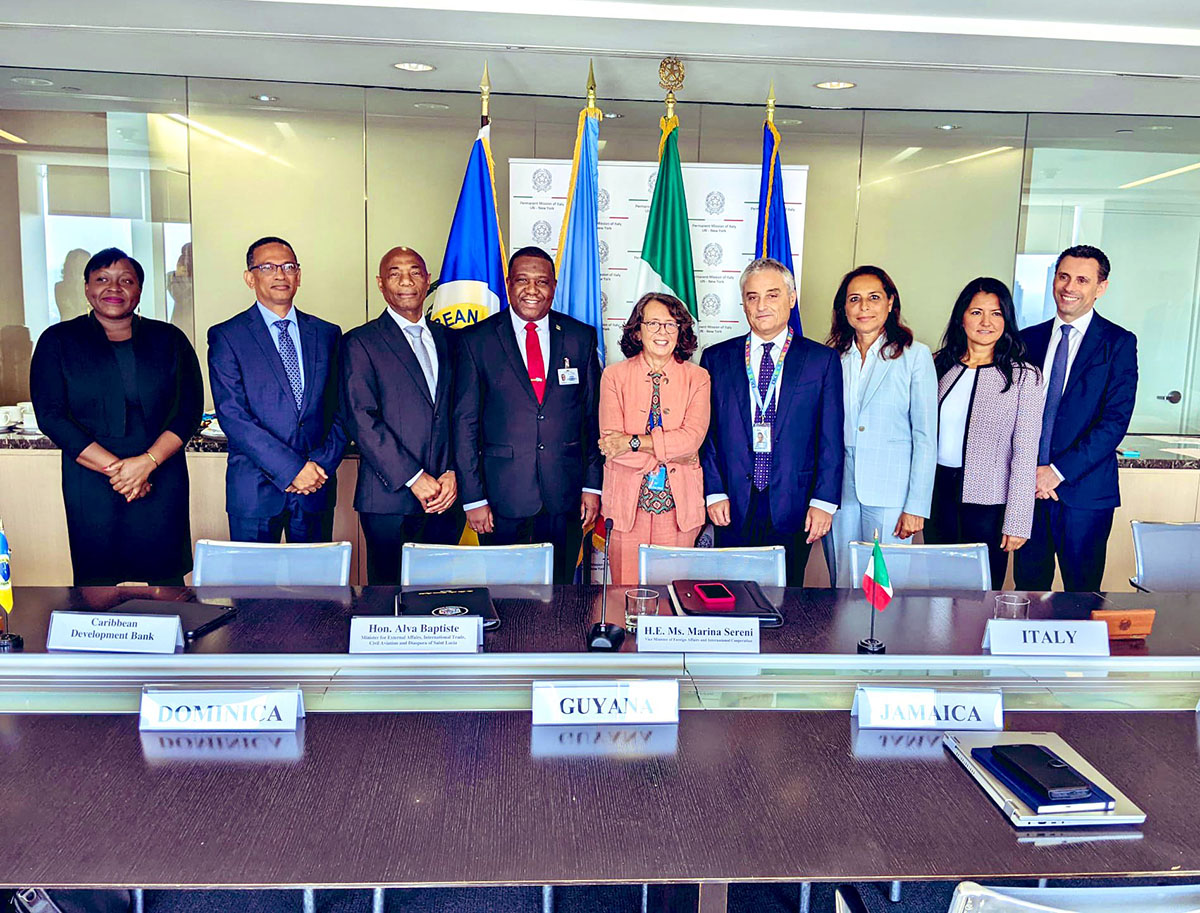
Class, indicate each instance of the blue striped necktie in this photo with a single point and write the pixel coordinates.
(1054, 393)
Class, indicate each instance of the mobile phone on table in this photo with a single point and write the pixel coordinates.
(1043, 771)
(715, 596)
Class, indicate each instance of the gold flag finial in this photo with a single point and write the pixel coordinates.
(591, 88)
(771, 103)
(670, 76)
(485, 91)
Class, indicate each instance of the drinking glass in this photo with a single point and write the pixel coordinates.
(639, 602)
(1011, 606)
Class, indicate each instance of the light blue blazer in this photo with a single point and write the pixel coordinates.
(894, 437)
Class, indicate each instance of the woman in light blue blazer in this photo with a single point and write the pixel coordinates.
(890, 389)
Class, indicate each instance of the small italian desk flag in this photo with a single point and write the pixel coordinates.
(6, 596)
(877, 586)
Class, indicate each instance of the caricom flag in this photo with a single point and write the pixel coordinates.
(471, 286)
(772, 238)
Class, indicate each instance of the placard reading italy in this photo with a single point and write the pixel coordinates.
(722, 205)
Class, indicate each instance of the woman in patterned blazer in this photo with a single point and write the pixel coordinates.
(890, 425)
(990, 418)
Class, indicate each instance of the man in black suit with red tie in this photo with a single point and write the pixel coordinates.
(397, 400)
(526, 423)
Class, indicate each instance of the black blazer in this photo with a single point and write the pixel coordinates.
(519, 455)
(1094, 412)
(387, 409)
(78, 395)
(269, 439)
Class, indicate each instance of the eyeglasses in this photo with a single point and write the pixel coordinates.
(655, 325)
(267, 269)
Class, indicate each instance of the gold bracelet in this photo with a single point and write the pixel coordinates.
(153, 457)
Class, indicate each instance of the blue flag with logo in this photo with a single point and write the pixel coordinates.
(471, 285)
(772, 238)
(578, 259)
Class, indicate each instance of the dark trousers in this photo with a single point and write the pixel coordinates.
(386, 534)
(300, 526)
(952, 522)
(1076, 536)
(563, 530)
(759, 530)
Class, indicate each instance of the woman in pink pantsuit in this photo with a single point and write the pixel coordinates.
(654, 411)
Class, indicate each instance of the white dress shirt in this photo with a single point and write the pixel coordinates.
(756, 349)
(426, 339)
(1078, 327)
(430, 347)
(952, 420)
(542, 328)
(860, 370)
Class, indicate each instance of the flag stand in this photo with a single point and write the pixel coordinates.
(869, 644)
(9, 642)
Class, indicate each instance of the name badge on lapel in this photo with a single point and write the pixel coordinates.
(762, 439)
(567, 375)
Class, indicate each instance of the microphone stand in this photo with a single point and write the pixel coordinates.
(605, 636)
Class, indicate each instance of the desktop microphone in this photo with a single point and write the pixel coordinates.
(604, 636)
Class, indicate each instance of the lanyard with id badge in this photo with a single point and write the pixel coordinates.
(568, 376)
(760, 433)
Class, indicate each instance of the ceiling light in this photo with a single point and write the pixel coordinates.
(12, 137)
(264, 98)
(77, 89)
(978, 155)
(948, 127)
(414, 66)
(1123, 131)
(31, 81)
(613, 115)
(1158, 127)
(1159, 177)
(225, 137)
(835, 84)
(903, 155)
(789, 122)
(431, 106)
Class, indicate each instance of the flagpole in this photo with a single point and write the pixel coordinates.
(771, 103)
(485, 91)
(870, 644)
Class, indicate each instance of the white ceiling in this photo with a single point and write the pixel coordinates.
(1033, 55)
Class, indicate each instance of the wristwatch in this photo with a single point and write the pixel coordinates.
(634, 443)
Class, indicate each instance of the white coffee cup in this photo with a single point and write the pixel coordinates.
(10, 415)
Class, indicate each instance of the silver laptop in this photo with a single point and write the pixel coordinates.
(1020, 814)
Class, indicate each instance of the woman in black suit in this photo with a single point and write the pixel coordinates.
(120, 394)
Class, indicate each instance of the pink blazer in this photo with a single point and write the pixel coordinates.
(625, 389)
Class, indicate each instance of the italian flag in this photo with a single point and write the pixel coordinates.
(666, 261)
(877, 586)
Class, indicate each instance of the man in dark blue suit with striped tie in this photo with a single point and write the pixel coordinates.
(1090, 370)
(274, 377)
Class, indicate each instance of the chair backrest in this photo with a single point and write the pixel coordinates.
(658, 564)
(926, 567)
(267, 564)
(1175, 898)
(1165, 555)
(476, 565)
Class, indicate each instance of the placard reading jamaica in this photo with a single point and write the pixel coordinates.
(722, 205)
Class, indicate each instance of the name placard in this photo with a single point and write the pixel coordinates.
(108, 633)
(927, 708)
(654, 740)
(177, 709)
(584, 703)
(415, 634)
(697, 634)
(1022, 637)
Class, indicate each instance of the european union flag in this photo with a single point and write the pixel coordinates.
(578, 261)
(471, 286)
(772, 239)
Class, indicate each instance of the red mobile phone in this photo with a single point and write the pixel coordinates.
(715, 596)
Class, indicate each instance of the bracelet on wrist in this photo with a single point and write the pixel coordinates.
(153, 457)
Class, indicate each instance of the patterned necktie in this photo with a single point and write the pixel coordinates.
(291, 361)
(762, 461)
(533, 360)
(422, 356)
(1054, 392)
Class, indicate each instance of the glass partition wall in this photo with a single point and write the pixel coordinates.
(185, 173)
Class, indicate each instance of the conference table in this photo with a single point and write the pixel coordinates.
(425, 770)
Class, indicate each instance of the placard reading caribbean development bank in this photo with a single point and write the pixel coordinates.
(722, 203)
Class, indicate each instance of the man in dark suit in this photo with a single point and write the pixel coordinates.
(526, 423)
(273, 372)
(773, 456)
(1089, 367)
(397, 403)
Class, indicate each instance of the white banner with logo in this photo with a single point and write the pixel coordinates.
(722, 205)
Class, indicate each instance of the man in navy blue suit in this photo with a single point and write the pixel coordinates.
(773, 456)
(274, 377)
(1090, 369)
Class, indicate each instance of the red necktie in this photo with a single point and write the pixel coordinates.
(533, 360)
